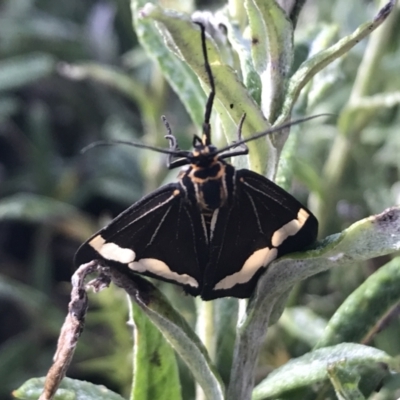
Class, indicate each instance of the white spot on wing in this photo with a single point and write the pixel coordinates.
(257, 260)
(111, 251)
(302, 216)
(289, 229)
(97, 242)
(161, 269)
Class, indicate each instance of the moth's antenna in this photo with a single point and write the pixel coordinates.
(270, 131)
(206, 136)
(100, 143)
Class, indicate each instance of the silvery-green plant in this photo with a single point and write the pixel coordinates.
(252, 60)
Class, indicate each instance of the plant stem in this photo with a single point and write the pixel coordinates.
(205, 329)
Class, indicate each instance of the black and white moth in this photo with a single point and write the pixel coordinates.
(215, 230)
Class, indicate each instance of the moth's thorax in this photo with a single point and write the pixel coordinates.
(209, 185)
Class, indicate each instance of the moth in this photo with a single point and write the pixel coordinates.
(215, 230)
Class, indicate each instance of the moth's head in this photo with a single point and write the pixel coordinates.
(203, 154)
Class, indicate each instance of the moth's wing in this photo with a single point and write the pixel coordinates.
(162, 236)
(264, 223)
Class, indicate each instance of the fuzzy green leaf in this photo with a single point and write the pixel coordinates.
(175, 329)
(178, 74)
(314, 367)
(364, 308)
(303, 324)
(371, 237)
(345, 382)
(272, 50)
(230, 91)
(70, 389)
(155, 369)
(251, 79)
(320, 60)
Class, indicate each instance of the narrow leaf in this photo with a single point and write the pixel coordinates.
(320, 60)
(112, 77)
(229, 89)
(178, 74)
(303, 324)
(272, 50)
(155, 369)
(33, 207)
(39, 209)
(363, 309)
(175, 329)
(242, 46)
(24, 70)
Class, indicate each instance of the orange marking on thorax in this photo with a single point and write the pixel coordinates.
(196, 168)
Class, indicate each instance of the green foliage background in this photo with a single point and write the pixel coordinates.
(52, 197)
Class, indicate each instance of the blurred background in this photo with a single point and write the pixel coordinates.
(52, 198)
